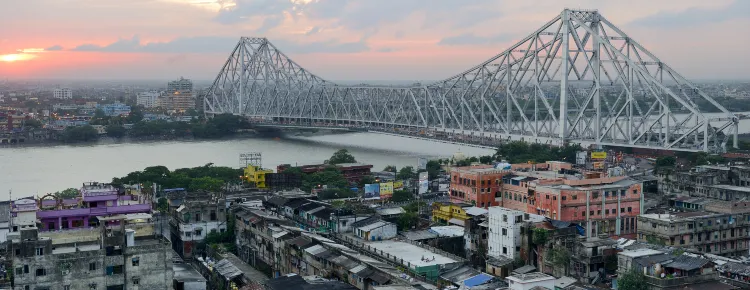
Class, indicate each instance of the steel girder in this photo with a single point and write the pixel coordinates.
(577, 79)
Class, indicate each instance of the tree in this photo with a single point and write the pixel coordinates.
(406, 172)
(433, 169)
(390, 168)
(68, 193)
(135, 116)
(79, 134)
(407, 220)
(666, 161)
(486, 159)
(401, 195)
(367, 179)
(99, 114)
(341, 156)
(539, 236)
(116, 131)
(632, 280)
(163, 205)
(33, 124)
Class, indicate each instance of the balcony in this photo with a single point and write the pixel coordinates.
(677, 282)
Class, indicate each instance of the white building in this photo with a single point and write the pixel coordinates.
(377, 231)
(530, 280)
(64, 94)
(505, 231)
(148, 99)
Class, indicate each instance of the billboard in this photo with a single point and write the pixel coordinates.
(398, 185)
(599, 155)
(372, 191)
(386, 190)
(422, 164)
(423, 183)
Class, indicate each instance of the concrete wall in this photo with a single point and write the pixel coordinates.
(385, 232)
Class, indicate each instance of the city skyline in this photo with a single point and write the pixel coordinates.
(341, 40)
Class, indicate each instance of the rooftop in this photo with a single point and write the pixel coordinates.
(530, 277)
(677, 216)
(186, 273)
(639, 253)
(448, 231)
(411, 254)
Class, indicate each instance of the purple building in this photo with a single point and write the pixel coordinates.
(96, 200)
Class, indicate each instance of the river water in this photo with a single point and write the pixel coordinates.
(35, 171)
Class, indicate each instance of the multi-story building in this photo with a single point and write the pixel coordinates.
(116, 109)
(109, 257)
(182, 84)
(197, 215)
(477, 185)
(724, 231)
(353, 172)
(256, 175)
(63, 94)
(95, 202)
(147, 99)
(506, 229)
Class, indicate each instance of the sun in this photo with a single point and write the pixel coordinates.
(15, 57)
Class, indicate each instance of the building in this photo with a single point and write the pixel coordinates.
(182, 84)
(668, 271)
(109, 257)
(95, 202)
(376, 230)
(177, 101)
(115, 109)
(477, 185)
(530, 281)
(256, 175)
(723, 234)
(197, 215)
(63, 94)
(450, 213)
(506, 227)
(147, 99)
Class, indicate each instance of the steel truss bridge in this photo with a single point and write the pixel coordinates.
(577, 79)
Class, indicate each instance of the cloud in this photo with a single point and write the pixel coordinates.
(219, 44)
(696, 16)
(242, 10)
(471, 39)
(387, 49)
(54, 48)
(313, 30)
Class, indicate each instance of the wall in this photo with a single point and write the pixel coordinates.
(385, 232)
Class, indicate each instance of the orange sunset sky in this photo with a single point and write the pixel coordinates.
(343, 39)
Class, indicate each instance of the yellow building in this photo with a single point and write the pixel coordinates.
(256, 175)
(453, 213)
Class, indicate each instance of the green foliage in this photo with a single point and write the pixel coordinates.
(433, 169)
(116, 131)
(33, 124)
(162, 205)
(401, 195)
(522, 152)
(68, 193)
(666, 161)
(366, 180)
(407, 220)
(414, 206)
(703, 158)
(205, 177)
(335, 193)
(79, 134)
(610, 264)
(390, 168)
(654, 240)
(135, 116)
(228, 236)
(632, 280)
(539, 236)
(331, 177)
(341, 156)
(405, 173)
(486, 159)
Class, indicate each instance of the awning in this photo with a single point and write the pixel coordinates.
(456, 221)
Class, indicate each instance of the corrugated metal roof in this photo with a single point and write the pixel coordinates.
(317, 249)
(227, 269)
(687, 263)
(475, 211)
(373, 226)
(419, 235)
(358, 269)
(390, 211)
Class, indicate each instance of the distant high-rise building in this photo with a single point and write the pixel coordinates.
(181, 85)
(148, 99)
(64, 94)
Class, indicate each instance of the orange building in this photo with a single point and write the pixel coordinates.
(477, 185)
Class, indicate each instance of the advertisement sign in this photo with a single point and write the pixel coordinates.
(581, 157)
(599, 155)
(598, 165)
(386, 190)
(422, 164)
(423, 183)
(372, 191)
(398, 185)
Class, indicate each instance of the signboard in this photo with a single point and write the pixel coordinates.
(599, 155)
(398, 185)
(423, 183)
(422, 164)
(581, 157)
(386, 190)
(372, 191)
(598, 165)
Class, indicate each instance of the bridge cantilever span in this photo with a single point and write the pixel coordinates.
(576, 79)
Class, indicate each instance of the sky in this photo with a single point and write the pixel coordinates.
(343, 39)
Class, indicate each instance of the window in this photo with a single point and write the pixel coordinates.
(41, 272)
(630, 209)
(92, 266)
(25, 269)
(198, 232)
(505, 250)
(19, 271)
(136, 280)
(92, 286)
(198, 217)
(39, 251)
(114, 270)
(583, 213)
(136, 261)
(18, 252)
(26, 287)
(505, 232)
(66, 287)
(564, 198)
(575, 197)
(213, 215)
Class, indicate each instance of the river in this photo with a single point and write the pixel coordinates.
(35, 171)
